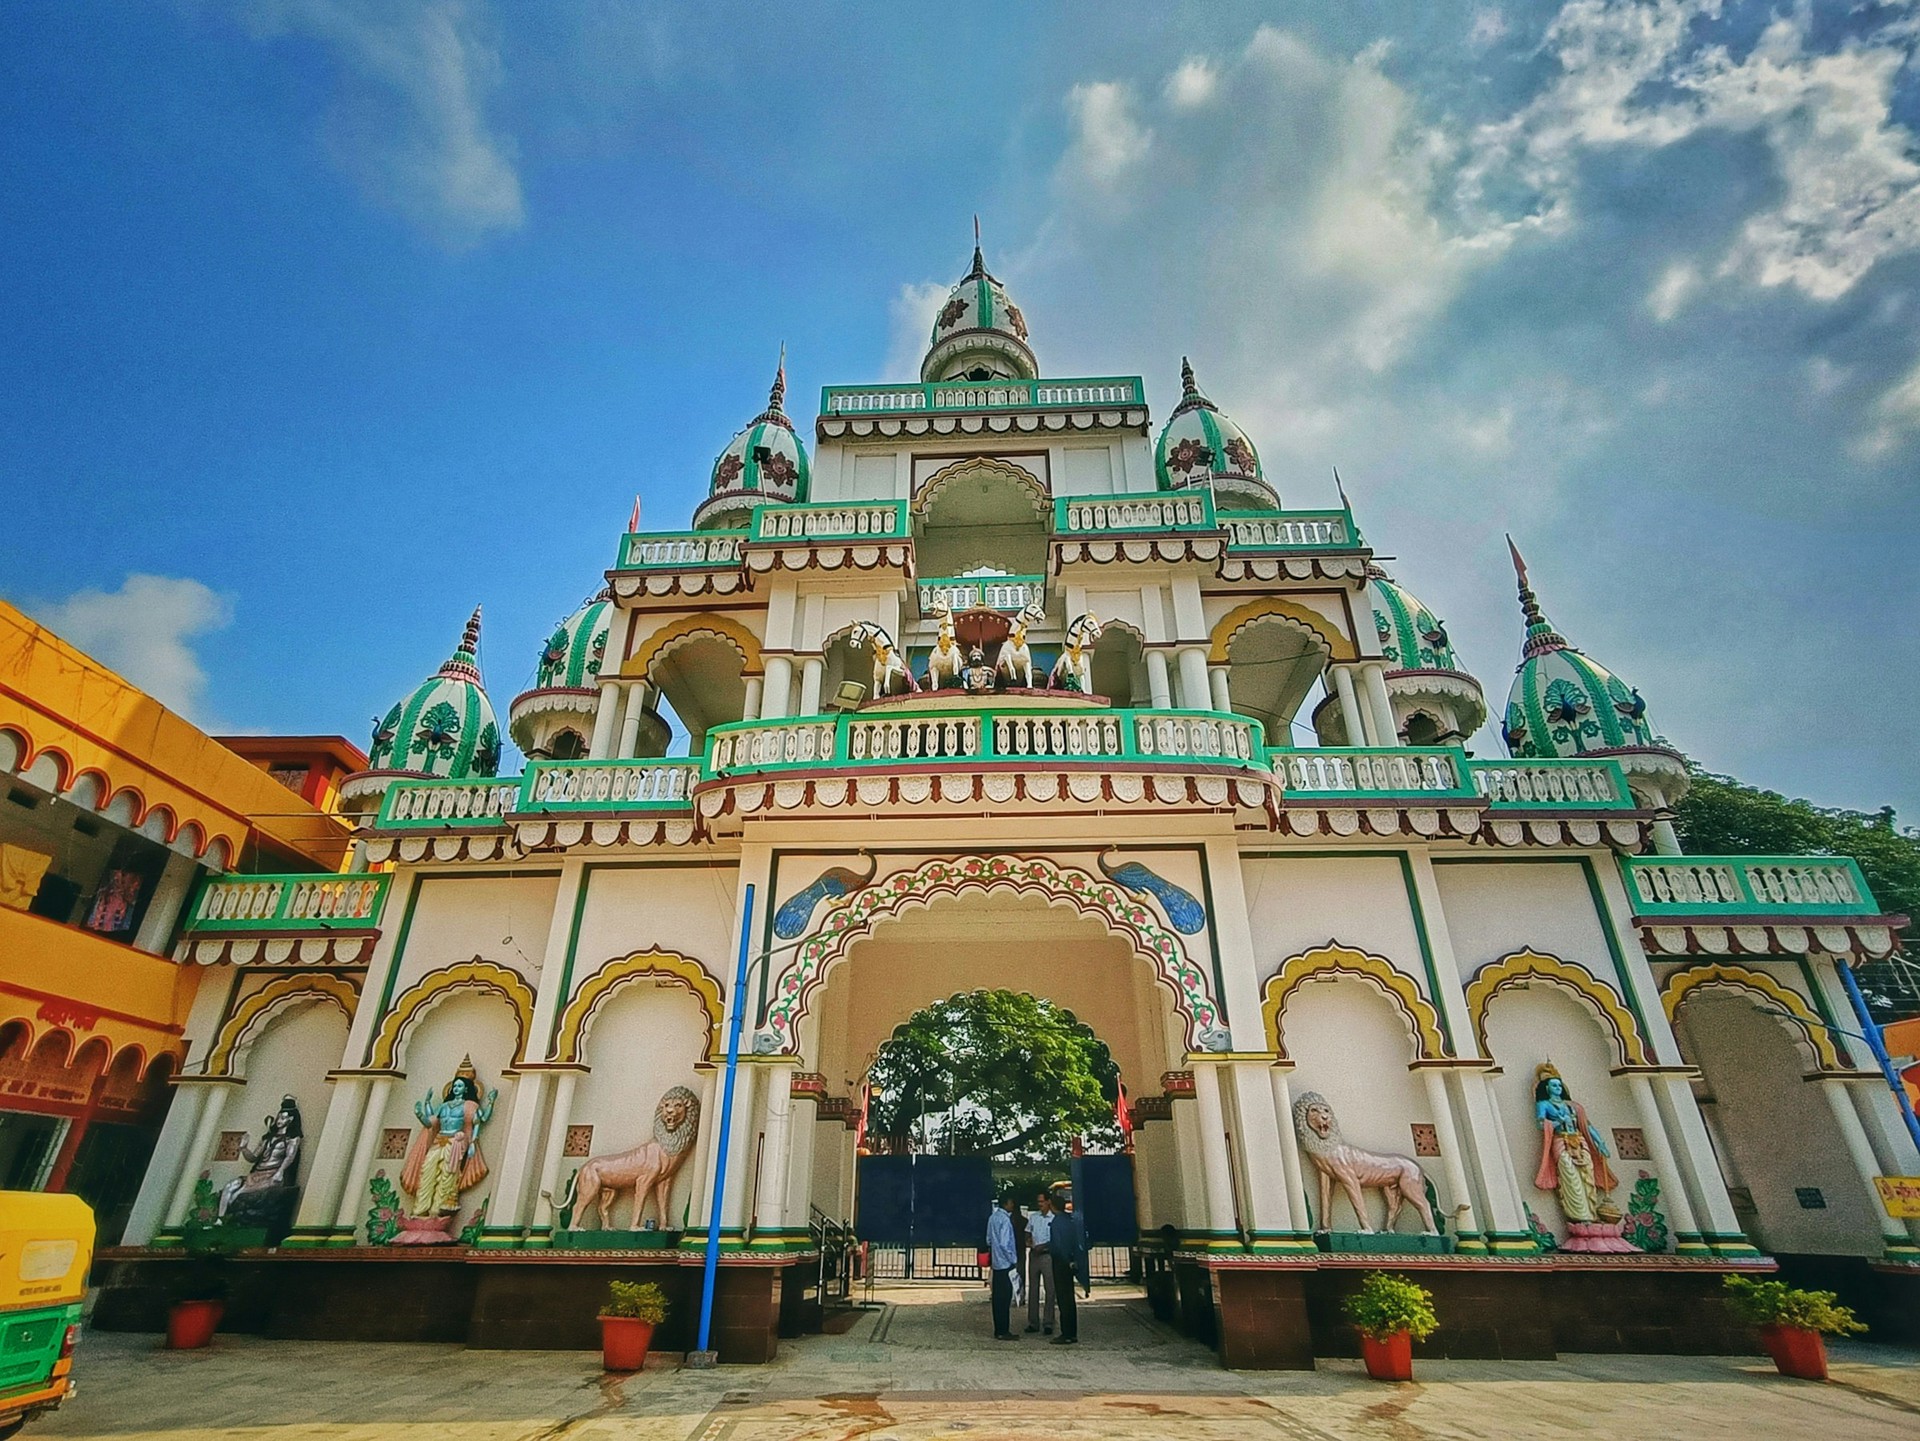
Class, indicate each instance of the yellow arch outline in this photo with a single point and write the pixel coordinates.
(475, 974)
(1334, 959)
(579, 1011)
(280, 991)
(1006, 470)
(1339, 647)
(1530, 965)
(1719, 975)
(639, 665)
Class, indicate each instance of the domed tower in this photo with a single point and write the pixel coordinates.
(765, 464)
(1435, 702)
(1200, 445)
(1565, 705)
(553, 719)
(979, 334)
(443, 730)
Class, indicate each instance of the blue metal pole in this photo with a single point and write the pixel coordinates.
(1870, 1033)
(726, 1126)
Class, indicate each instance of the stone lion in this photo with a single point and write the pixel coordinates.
(1400, 1177)
(647, 1170)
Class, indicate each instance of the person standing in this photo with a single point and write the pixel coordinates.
(1003, 1255)
(1067, 1249)
(1039, 1265)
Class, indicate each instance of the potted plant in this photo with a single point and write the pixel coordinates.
(1390, 1312)
(200, 1289)
(1791, 1323)
(633, 1309)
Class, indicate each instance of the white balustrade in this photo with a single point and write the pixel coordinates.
(1565, 782)
(828, 521)
(682, 550)
(1803, 883)
(1200, 737)
(868, 402)
(1687, 883)
(450, 801)
(612, 785)
(1386, 772)
(911, 738)
(240, 900)
(339, 898)
(958, 595)
(1157, 513)
(1075, 393)
(1768, 884)
(1057, 735)
(774, 745)
(1282, 531)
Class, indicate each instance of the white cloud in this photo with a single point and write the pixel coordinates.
(1897, 419)
(1192, 85)
(1489, 28)
(911, 315)
(409, 120)
(1673, 290)
(1108, 140)
(145, 631)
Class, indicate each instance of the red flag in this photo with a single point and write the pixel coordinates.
(633, 525)
(860, 1122)
(1123, 1118)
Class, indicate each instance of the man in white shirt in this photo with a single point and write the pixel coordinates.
(1039, 1264)
(1003, 1256)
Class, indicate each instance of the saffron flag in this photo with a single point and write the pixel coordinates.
(633, 524)
(1123, 1118)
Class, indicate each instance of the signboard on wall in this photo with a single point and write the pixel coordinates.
(1900, 1195)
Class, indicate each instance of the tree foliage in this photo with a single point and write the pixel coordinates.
(996, 1073)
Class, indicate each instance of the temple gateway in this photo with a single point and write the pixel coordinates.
(995, 681)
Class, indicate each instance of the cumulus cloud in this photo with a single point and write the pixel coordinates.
(911, 325)
(1675, 287)
(1108, 140)
(1191, 85)
(145, 630)
(1896, 418)
(409, 120)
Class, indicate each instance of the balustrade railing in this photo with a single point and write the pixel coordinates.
(1251, 530)
(686, 550)
(849, 520)
(1747, 885)
(616, 785)
(315, 903)
(975, 395)
(995, 592)
(1434, 773)
(429, 805)
(1553, 785)
(1123, 514)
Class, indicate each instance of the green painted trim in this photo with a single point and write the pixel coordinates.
(280, 921)
(1426, 951)
(1741, 1249)
(932, 400)
(1208, 523)
(1471, 1244)
(499, 1238)
(1748, 903)
(1819, 995)
(573, 947)
(1628, 990)
(1512, 1243)
(393, 966)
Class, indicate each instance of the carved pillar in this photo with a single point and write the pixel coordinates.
(1217, 684)
(1466, 1224)
(1193, 678)
(770, 1188)
(777, 691)
(507, 1210)
(327, 1163)
(1215, 1162)
(812, 669)
(741, 1149)
(634, 714)
(1159, 686)
(546, 1200)
(1358, 727)
(156, 926)
(1687, 1133)
(1279, 1077)
(1263, 1136)
(352, 1206)
(201, 1147)
(1686, 1230)
(1373, 677)
(1854, 1137)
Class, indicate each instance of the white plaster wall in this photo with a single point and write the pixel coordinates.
(1778, 1128)
(476, 1023)
(1527, 1025)
(291, 1056)
(1089, 470)
(1120, 605)
(1495, 908)
(685, 909)
(1360, 901)
(644, 1040)
(459, 917)
(1349, 1043)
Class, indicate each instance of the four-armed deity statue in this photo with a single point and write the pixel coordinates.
(445, 1157)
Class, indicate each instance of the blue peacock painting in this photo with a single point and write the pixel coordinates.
(1185, 913)
(790, 922)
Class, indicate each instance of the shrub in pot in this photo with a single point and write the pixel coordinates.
(1390, 1312)
(200, 1288)
(633, 1309)
(1791, 1323)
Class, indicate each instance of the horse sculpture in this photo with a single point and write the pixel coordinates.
(647, 1170)
(946, 662)
(1074, 669)
(1357, 1171)
(1016, 659)
(890, 673)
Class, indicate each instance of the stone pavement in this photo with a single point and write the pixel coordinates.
(924, 1366)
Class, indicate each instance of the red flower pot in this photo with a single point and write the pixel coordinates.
(1796, 1351)
(1388, 1360)
(190, 1324)
(624, 1341)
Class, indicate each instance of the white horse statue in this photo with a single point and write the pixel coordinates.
(890, 673)
(1016, 659)
(947, 660)
(1074, 669)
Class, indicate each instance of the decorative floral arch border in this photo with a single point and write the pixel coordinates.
(1522, 966)
(931, 487)
(855, 919)
(473, 975)
(1334, 959)
(577, 1018)
(252, 1014)
(1221, 639)
(639, 665)
(1800, 1017)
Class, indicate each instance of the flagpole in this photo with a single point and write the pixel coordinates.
(705, 1353)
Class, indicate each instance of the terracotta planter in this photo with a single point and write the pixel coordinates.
(624, 1341)
(1388, 1360)
(190, 1324)
(1796, 1351)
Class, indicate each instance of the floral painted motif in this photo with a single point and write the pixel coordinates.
(727, 471)
(1514, 733)
(383, 1216)
(384, 734)
(1189, 454)
(439, 732)
(553, 660)
(486, 753)
(777, 469)
(597, 653)
(1016, 320)
(1436, 647)
(1570, 712)
(1543, 1237)
(951, 312)
(847, 922)
(1644, 1225)
(1240, 453)
(1385, 628)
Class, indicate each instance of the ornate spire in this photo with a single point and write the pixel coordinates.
(464, 663)
(979, 257)
(1190, 396)
(775, 413)
(1541, 636)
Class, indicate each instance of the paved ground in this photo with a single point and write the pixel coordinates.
(924, 1367)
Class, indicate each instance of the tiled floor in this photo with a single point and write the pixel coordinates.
(924, 1366)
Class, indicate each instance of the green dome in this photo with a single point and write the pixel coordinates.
(1411, 637)
(1564, 704)
(445, 729)
(765, 464)
(979, 331)
(1200, 445)
(573, 653)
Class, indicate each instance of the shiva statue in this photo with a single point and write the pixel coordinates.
(272, 1178)
(1573, 1165)
(445, 1158)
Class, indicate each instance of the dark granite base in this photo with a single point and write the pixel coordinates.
(1886, 1297)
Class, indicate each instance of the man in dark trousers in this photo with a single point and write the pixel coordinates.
(1003, 1256)
(1067, 1247)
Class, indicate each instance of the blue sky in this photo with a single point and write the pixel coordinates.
(326, 320)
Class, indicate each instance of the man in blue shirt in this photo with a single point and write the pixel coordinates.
(1067, 1249)
(1003, 1255)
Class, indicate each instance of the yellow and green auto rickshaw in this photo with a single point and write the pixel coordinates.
(46, 1246)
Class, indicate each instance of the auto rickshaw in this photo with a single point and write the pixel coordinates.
(46, 1246)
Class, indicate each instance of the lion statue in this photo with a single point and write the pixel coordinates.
(647, 1170)
(1399, 1176)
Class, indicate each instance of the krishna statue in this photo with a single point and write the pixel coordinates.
(445, 1158)
(1573, 1165)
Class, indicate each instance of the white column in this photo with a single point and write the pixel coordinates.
(630, 718)
(1359, 731)
(740, 1149)
(208, 1122)
(1892, 1146)
(1666, 842)
(812, 669)
(804, 1128)
(1159, 687)
(547, 1197)
(508, 1209)
(1693, 1149)
(1217, 683)
(1860, 1151)
(752, 708)
(331, 1155)
(1374, 679)
(1504, 1209)
(169, 894)
(1278, 1077)
(606, 720)
(1452, 1162)
(699, 1198)
(1216, 1169)
(353, 1195)
(777, 691)
(1686, 1231)
(770, 1191)
(1262, 1137)
(1193, 678)
(188, 1103)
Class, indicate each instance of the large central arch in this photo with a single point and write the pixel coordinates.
(1130, 920)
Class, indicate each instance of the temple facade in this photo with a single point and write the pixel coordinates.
(993, 681)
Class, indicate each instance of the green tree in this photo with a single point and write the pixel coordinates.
(996, 1073)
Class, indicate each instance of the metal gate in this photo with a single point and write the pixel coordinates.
(923, 1217)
